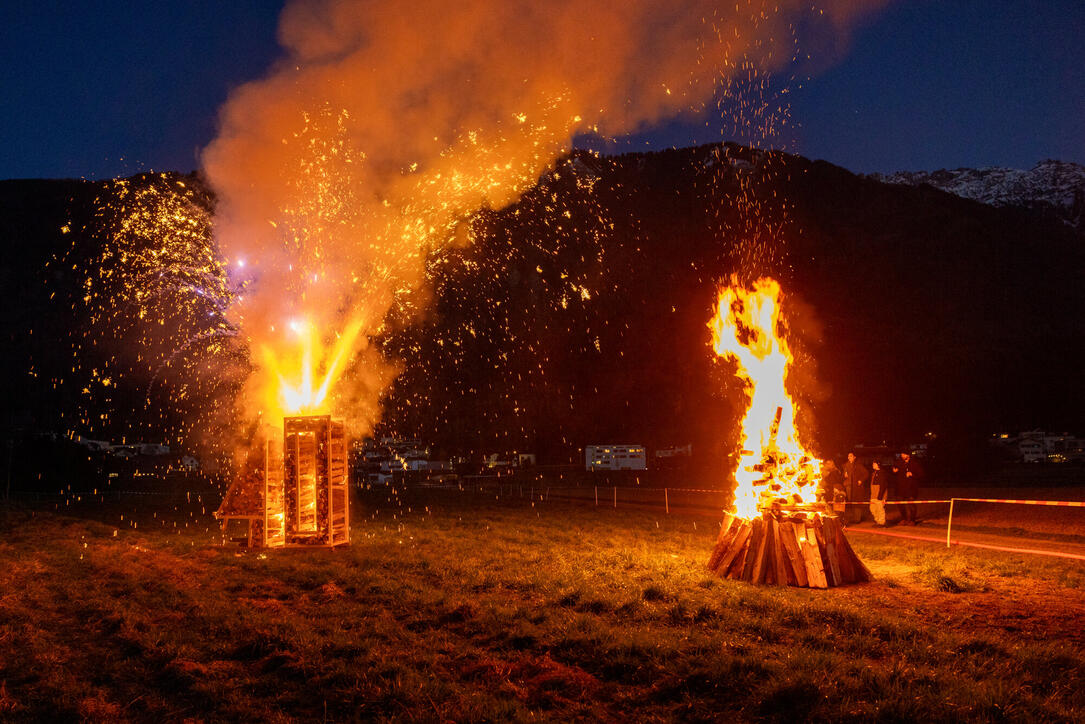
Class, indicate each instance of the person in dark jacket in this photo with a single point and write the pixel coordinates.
(856, 477)
(879, 492)
(909, 473)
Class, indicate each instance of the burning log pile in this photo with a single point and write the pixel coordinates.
(787, 547)
(775, 533)
(791, 543)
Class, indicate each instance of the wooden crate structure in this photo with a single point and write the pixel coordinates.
(306, 484)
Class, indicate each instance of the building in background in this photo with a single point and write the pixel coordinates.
(615, 457)
(1038, 446)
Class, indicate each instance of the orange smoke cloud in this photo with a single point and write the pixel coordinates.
(387, 125)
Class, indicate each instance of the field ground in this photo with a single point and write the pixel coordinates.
(458, 606)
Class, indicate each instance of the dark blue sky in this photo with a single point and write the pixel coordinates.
(948, 83)
(97, 89)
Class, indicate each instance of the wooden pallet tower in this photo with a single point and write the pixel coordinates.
(309, 490)
(296, 489)
(787, 548)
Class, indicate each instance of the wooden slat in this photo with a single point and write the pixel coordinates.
(862, 573)
(728, 526)
(778, 555)
(723, 541)
(844, 557)
(736, 569)
(762, 567)
(818, 528)
(736, 546)
(828, 540)
(796, 564)
(815, 569)
(763, 564)
(769, 574)
(756, 535)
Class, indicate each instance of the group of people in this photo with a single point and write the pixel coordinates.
(898, 481)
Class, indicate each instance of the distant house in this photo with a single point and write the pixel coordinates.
(140, 448)
(918, 449)
(94, 445)
(503, 461)
(1037, 446)
(426, 466)
(673, 452)
(496, 461)
(124, 451)
(615, 457)
(672, 458)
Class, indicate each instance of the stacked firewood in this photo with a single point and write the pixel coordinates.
(794, 549)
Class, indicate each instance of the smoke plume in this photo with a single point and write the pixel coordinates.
(387, 125)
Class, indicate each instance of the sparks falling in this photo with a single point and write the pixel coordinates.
(151, 354)
(747, 329)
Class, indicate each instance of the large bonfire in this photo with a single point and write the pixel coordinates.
(777, 532)
(774, 467)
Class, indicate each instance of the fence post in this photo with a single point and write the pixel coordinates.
(949, 523)
(615, 496)
(666, 501)
(596, 496)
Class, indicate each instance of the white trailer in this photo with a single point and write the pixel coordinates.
(615, 457)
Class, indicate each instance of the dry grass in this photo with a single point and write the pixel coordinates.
(466, 608)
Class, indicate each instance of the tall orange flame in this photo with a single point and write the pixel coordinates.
(302, 373)
(773, 465)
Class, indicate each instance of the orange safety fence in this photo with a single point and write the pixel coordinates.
(1069, 503)
(1058, 503)
(889, 502)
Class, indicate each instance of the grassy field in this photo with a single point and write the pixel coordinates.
(465, 607)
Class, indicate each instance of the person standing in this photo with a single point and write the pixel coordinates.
(908, 473)
(879, 492)
(856, 477)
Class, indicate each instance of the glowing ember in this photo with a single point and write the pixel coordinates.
(773, 467)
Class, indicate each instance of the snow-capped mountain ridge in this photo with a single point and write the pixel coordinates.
(1051, 186)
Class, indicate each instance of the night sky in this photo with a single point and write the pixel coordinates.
(112, 88)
